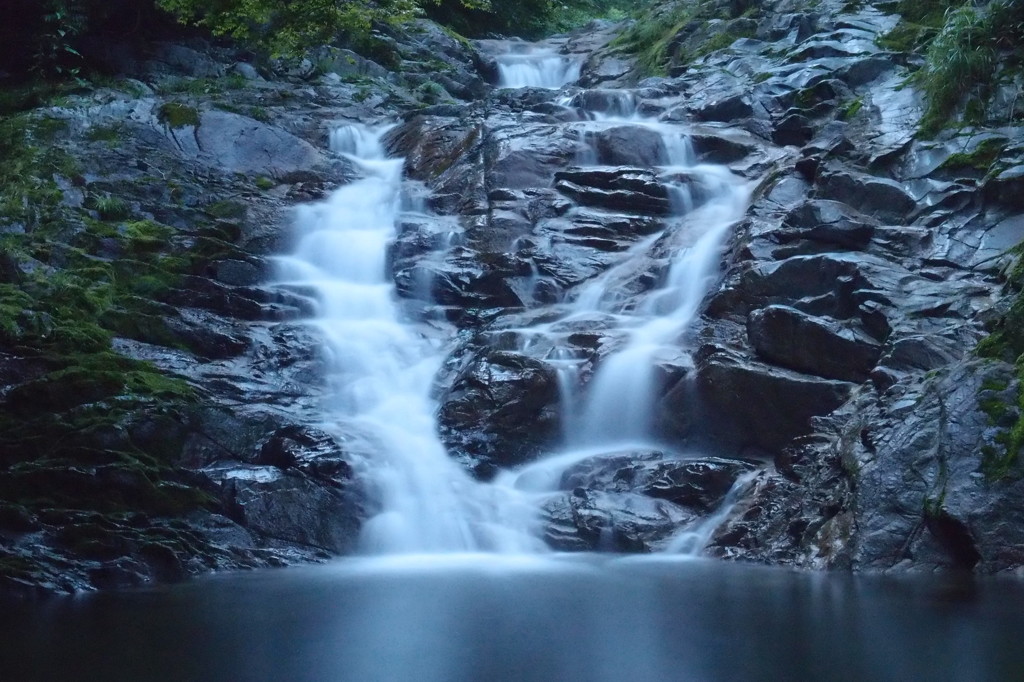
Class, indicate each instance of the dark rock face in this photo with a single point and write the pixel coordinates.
(243, 145)
(699, 484)
(611, 522)
(835, 342)
(630, 146)
(636, 501)
(291, 507)
(500, 411)
(752, 405)
(620, 188)
(791, 338)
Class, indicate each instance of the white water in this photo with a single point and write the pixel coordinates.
(536, 68)
(382, 371)
(614, 411)
(382, 366)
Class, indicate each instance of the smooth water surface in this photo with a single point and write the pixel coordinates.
(488, 618)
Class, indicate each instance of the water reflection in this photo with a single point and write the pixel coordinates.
(490, 618)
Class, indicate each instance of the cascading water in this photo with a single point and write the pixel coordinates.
(619, 399)
(383, 366)
(382, 370)
(613, 412)
(536, 68)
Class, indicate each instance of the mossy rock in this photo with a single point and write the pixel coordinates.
(178, 115)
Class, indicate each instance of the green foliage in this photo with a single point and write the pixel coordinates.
(204, 86)
(651, 35)
(109, 134)
(41, 39)
(960, 62)
(524, 18)
(292, 27)
(664, 37)
(54, 56)
(178, 115)
(1006, 342)
(109, 207)
(964, 46)
(851, 108)
(1003, 461)
(432, 93)
(980, 158)
(921, 20)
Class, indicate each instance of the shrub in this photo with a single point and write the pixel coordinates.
(963, 58)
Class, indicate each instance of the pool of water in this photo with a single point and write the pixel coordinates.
(493, 619)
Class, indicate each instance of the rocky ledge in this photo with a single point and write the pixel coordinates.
(160, 394)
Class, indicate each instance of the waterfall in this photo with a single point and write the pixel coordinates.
(382, 366)
(382, 369)
(614, 410)
(619, 400)
(535, 68)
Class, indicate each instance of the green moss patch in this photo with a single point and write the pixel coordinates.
(980, 158)
(178, 115)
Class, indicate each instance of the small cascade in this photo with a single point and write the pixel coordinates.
(382, 370)
(693, 540)
(613, 411)
(536, 68)
(606, 104)
(619, 399)
(383, 365)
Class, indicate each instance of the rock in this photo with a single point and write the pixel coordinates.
(608, 102)
(630, 189)
(465, 279)
(430, 145)
(806, 343)
(238, 273)
(247, 71)
(699, 484)
(529, 156)
(630, 146)
(1007, 187)
(880, 197)
(611, 522)
(727, 109)
(292, 507)
(751, 405)
(243, 145)
(923, 494)
(501, 410)
(795, 129)
(720, 148)
(831, 222)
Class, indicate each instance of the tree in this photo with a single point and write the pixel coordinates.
(290, 26)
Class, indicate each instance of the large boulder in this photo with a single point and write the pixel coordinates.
(630, 146)
(816, 345)
(751, 405)
(291, 506)
(240, 144)
(502, 409)
(630, 189)
(885, 199)
(613, 522)
(699, 484)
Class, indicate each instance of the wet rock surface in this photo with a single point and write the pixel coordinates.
(192, 449)
(858, 275)
(831, 363)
